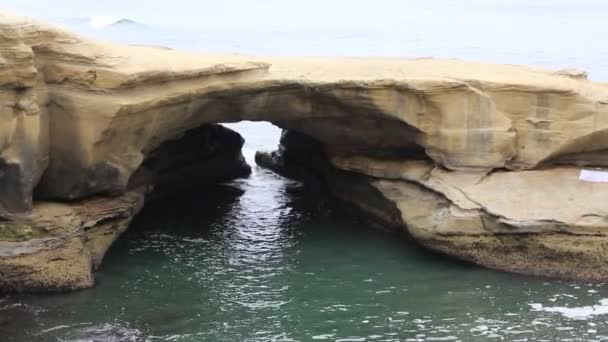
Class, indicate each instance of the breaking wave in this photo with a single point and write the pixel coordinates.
(581, 312)
(101, 21)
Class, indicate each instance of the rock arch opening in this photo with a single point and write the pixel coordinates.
(454, 147)
(215, 153)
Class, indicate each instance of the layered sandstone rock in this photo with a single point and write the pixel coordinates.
(59, 245)
(542, 222)
(92, 111)
(82, 118)
(546, 221)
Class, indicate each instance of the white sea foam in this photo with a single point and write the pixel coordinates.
(100, 21)
(581, 312)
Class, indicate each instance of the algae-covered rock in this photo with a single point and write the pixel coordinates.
(58, 247)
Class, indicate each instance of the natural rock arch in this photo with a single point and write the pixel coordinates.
(82, 117)
(85, 114)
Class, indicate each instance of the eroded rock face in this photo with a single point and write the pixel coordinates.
(59, 245)
(93, 111)
(543, 222)
(301, 157)
(205, 155)
(23, 133)
(443, 149)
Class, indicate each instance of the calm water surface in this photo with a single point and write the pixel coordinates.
(258, 259)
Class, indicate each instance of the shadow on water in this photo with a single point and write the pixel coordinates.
(187, 213)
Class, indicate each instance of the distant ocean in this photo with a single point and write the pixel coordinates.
(549, 33)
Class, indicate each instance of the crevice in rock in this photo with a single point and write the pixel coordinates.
(302, 157)
(205, 155)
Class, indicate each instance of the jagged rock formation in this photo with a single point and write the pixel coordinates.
(59, 245)
(83, 118)
(541, 222)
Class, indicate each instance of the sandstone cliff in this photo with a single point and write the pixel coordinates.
(493, 145)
